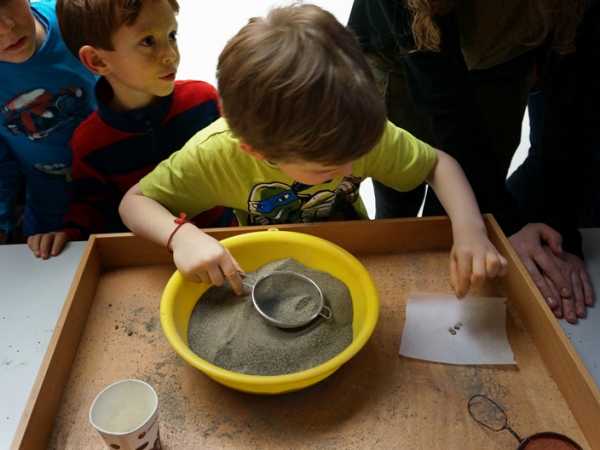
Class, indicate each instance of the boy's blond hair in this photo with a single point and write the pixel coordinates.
(295, 86)
(93, 22)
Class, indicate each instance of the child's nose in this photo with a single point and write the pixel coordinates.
(171, 55)
(6, 24)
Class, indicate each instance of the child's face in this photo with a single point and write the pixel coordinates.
(18, 40)
(314, 173)
(145, 58)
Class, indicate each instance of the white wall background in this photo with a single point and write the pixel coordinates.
(205, 27)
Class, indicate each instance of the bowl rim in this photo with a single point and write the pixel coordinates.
(214, 371)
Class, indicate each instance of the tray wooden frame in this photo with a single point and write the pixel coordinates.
(110, 251)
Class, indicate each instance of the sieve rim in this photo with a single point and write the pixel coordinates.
(279, 323)
(548, 434)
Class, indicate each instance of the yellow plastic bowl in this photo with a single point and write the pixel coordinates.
(253, 250)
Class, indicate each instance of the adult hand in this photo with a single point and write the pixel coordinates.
(200, 257)
(575, 307)
(530, 244)
(47, 244)
(538, 247)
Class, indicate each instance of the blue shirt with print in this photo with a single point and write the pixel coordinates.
(42, 101)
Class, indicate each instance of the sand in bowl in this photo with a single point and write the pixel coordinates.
(227, 331)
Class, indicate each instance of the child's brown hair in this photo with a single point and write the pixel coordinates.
(93, 22)
(295, 86)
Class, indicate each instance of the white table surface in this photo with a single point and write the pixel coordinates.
(585, 335)
(33, 292)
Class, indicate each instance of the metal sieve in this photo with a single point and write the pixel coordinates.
(288, 299)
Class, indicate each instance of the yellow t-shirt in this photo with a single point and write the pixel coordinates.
(212, 170)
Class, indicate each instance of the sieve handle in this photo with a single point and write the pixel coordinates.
(326, 312)
(246, 284)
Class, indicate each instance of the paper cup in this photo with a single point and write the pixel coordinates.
(126, 416)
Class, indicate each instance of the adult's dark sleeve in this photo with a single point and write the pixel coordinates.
(382, 26)
(571, 141)
(441, 85)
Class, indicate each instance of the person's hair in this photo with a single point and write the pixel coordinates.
(557, 19)
(296, 86)
(426, 32)
(93, 22)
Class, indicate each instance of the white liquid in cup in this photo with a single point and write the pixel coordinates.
(127, 418)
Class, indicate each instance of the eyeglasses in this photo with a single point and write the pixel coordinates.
(489, 414)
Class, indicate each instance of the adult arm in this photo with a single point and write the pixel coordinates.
(440, 85)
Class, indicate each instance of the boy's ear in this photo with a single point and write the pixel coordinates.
(248, 149)
(92, 59)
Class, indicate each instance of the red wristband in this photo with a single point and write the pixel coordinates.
(181, 220)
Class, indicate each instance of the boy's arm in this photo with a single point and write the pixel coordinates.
(9, 182)
(473, 256)
(197, 255)
(450, 184)
(92, 203)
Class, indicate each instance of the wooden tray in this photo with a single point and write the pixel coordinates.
(109, 329)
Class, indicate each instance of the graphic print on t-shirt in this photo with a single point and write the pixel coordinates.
(277, 202)
(39, 112)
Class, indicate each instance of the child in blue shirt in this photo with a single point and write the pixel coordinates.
(143, 114)
(45, 93)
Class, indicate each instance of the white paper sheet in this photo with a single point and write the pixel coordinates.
(480, 337)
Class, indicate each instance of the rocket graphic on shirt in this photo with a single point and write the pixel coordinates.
(39, 112)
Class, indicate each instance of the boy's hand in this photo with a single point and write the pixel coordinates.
(473, 259)
(48, 244)
(200, 257)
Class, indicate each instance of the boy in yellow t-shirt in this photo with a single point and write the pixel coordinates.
(304, 124)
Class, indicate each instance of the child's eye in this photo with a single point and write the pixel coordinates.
(148, 41)
(173, 35)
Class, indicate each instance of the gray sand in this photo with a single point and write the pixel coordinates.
(227, 331)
